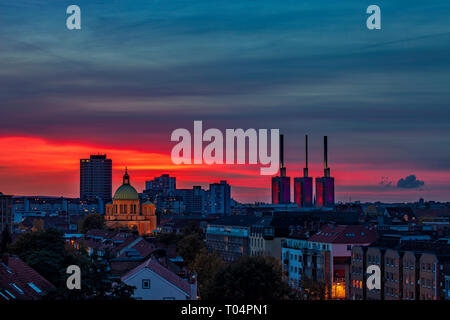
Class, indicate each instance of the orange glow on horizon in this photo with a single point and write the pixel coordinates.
(36, 166)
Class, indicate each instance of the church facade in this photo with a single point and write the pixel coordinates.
(128, 211)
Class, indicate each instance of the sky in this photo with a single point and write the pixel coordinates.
(137, 70)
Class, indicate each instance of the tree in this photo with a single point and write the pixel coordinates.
(189, 246)
(249, 278)
(192, 227)
(45, 251)
(96, 284)
(92, 221)
(206, 265)
(5, 240)
(38, 225)
(168, 238)
(312, 290)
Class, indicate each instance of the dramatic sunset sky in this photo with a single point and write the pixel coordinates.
(140, 69)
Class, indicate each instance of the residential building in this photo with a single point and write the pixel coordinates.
(229, 237)
(164, 185)
(155, 282)
(96, 178)
(267, 234)
(194, 200)
(357, 280)
(6, 215)
(433, 268)
(410, 270)
(39, 206)
(326, 256)
(410, 276)
(374, 256)
(219, 198)
(65, 224)
(447, 287)
(393, 269)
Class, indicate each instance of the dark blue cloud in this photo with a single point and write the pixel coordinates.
(410, 182)
(139, 69)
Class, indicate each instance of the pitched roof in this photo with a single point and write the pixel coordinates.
(164, 273)
(142, 247)
(18, 281)
(344, 234)
(119, 268)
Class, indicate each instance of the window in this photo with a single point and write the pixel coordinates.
(146, 284)
(4, 296)
(34, 287)
(17, 288)
(12, 296)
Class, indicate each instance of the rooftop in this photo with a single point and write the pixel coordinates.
(344, 234)
(18, 281)
(166, 274)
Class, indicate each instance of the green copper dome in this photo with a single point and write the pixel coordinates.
(126, 191)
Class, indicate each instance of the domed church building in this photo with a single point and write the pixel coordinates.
(127, 211)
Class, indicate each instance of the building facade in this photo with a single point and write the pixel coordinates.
(6, 215)
(410, 276)
(96, 178)
(164, 185)
(357, 280)
(155, 282)
(219, 198)
(229, 237)
(410, 270)
(393, 284)
(326, 257)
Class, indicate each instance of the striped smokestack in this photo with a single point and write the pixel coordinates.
(305, 170)
(282, 168)
(326, 170)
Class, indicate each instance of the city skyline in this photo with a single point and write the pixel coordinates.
(190, 176)
(134, 73)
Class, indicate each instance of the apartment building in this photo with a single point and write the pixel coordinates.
(410, 276)
(374, 256)
(229, 237)
(325, 257)
(410, 270)
(393, 284)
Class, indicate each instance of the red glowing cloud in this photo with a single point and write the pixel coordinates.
(35, 166)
